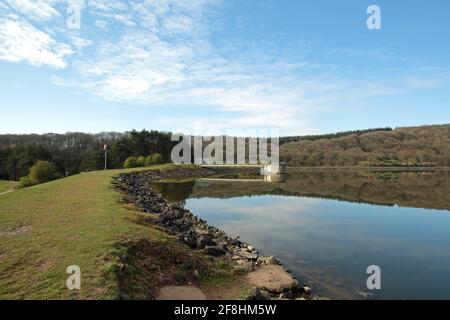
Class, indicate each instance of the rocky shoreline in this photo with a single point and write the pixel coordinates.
(266, 274)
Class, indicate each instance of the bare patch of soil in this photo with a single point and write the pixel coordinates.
(16, 231)
(180, 293)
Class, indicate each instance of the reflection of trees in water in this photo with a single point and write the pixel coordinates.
(177, 192)
(412, 189)
(408, 189)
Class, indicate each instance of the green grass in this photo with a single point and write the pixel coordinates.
(7, 185)
(78, 220)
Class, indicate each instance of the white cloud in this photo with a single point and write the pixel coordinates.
(178, 24)
(19, 41)
(79, 42)
(40, 10)
(115, 10)
(132, 85)
(102, 24)
(107, 5)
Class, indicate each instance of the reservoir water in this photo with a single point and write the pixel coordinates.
(327, 228)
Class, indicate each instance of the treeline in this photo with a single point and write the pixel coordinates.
(72, 153)
(284, 140)
(415, 146)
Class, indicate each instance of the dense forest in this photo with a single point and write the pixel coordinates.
(414, 146)
(72, 153)
(284, 140)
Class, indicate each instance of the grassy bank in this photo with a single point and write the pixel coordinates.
(81, 221)
(7, 185)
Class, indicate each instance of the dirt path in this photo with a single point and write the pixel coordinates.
(6, 192)
(181, 293)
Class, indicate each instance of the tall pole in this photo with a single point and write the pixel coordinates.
(106, 156)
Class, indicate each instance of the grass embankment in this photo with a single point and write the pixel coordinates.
(7, 186)
(82, 221)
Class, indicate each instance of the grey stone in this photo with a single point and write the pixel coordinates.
(269, 261)
(221, 238)
(259, 295)
(172, 215)
(214, 251)
(235, 242)
(248, 255)
(287, 295)
(178, 222)
(306, 289)
(204, 241)
(222, 246)
(191, 238)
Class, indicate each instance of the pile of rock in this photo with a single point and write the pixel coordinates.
(198, 235)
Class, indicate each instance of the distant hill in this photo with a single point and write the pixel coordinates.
(411, 146)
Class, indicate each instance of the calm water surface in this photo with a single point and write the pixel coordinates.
(329, 227)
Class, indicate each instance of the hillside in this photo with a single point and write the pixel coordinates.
(411, 146)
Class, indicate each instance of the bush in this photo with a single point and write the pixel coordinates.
(131, 162)
(26, 182)
(141, 161)
(152, 159)
(148, 161)
(42, 171)
(134, 162)
(157, 158)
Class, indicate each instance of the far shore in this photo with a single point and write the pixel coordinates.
(362, 169)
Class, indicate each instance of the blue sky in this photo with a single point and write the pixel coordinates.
(296, 66)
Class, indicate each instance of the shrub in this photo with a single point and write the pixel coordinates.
(141, 161)
(26, 182)
(131, 162)
(157, 158)
(148, 161)
(42, 171)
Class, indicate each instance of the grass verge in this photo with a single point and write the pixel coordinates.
(81, 220)
(7, 185)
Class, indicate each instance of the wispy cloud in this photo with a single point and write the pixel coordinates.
(19, 40)
(40, 10)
